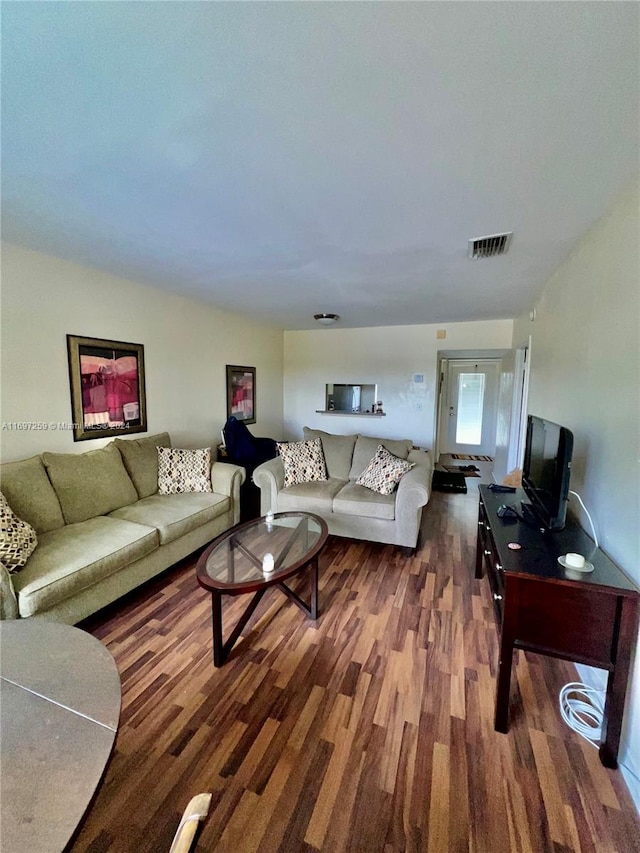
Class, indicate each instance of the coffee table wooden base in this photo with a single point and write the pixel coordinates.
(222, 648)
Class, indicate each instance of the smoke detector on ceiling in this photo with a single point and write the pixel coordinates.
(488, 247)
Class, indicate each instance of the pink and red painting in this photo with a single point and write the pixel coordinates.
(241, 393)
(107, 387)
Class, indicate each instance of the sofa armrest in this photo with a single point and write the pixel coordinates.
(8, 600)
(269, 478)
(413, 493)
(226, 479)
(414, 489)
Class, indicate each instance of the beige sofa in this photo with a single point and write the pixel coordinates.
(102, 527)
(349, 509)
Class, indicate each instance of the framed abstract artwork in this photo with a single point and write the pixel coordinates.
(241, 393)
(107, 387)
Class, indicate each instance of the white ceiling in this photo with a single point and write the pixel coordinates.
(283, 159)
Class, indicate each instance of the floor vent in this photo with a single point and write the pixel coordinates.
(487, 247)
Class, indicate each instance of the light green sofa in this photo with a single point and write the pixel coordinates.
(352, 510)
(102, 527)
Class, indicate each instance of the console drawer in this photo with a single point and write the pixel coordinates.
(489, 556)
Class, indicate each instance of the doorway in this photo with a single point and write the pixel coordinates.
(517, 435)
(469, 406)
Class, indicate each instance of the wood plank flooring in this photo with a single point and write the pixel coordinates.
(368, 730)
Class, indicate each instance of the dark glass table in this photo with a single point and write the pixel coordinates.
(254, 556)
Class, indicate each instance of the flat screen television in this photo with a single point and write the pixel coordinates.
(547, 469)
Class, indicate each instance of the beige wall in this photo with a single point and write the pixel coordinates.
(187, 347)
(585, 374)
(385, 356)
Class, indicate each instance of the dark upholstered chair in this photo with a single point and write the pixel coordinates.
(242, 448)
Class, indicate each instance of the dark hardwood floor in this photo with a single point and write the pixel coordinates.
(368, 730)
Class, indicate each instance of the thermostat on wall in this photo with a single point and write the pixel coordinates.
(418, 378)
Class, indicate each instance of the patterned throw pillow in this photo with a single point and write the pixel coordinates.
(17, 538)
(384, 472)
(183, 470)
(303, 461)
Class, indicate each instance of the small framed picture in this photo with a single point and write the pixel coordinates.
(107, 387)
(241, 393)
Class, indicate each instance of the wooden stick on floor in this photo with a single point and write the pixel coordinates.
(196, 811)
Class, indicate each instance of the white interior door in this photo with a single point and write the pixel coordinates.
(470, 407)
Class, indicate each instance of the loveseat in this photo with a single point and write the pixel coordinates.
(350, 509)
(102, 527)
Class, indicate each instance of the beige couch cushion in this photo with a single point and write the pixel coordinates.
(181, 470)
(337, 449)
(30, 494)
(140, 458)
(366, 447)
(17, 538)
(303, 461)
(384, 472)
(175, 515)
(89, 484)
(316, 496)
(75, 557)
(358, 500)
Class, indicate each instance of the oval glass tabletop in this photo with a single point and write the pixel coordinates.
(260, 551)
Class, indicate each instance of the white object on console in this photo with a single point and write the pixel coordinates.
(575, 563)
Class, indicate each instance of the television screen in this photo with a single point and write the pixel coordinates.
(546, 470)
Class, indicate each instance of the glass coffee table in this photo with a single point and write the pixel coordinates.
(254, 556)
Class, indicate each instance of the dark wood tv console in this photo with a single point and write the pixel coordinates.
(586, 618)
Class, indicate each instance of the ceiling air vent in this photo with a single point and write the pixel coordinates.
(487, 247)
